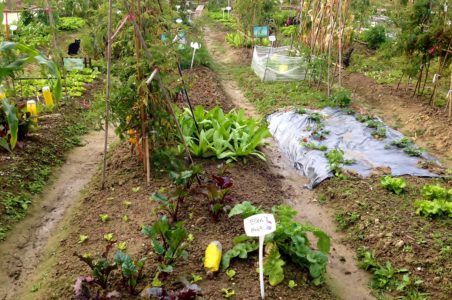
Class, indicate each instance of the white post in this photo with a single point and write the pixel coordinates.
(261, 265)
(193, 58)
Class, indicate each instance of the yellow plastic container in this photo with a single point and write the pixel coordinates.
(283, 68)
(32, 109)
(48, 99)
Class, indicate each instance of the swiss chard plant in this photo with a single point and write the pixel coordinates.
(101, 267)
(222, 135)
(168, 241)
(395, 185)
(217, 194)
(289, 240)
(170, 203)
(131, 271)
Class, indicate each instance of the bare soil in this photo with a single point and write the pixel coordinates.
(388, 225)
(429, 127)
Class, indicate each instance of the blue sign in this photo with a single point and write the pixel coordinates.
(260, 32)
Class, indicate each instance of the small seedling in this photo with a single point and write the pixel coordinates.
(190, 216)
(83, 238)
(127, 204)
(103, 217)
(156, 281)
(228, 293)
(231, 274)
(121, 246)
(292, 284)
(125, 218)
(196, 278)
(190, 237)
(136, 189)
(108, 237)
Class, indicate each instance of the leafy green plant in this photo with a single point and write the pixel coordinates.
(436, 192)
(109, 237)
(395, 185)
(402, 143)
(413, 151)
(336, 160)
(9, 131)
(235, 39)
(15, 56)
(292, 284)
(217, 194)
(83, 238)
(385, 276)
(347, 219)
(168, 241)
(70, 23)
(289, 239)
(170, 204)
(375, 36)
(131, 270)
(342, 98)
(244, 209)
(437, 201)
(314, 146)
(195, 278)
(224, 136)
(101, 268)
(121, 246)
(230, 273)
(379, 132)
(103, 217)
(126, 203)
(228, 293)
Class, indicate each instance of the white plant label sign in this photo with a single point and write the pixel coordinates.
(195, 46)
(259, 226)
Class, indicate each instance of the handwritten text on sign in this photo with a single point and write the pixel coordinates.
(260, 225)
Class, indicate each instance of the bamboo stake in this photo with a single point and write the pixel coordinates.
(450, 98)
(341, 28)
(107, 98)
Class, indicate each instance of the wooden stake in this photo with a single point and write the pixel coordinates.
(107, 95)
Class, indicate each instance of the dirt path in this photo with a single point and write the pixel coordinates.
(22, 251)
(344, 277)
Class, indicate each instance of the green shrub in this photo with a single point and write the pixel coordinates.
(375, 37)
(70, 23)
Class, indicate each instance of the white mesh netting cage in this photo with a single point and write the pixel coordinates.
(275, 64)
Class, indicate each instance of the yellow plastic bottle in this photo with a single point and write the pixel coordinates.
(32, 109)
(212, 257)
(48, 99)
(2, 92)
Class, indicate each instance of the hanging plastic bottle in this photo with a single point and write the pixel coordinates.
(48, 99)
(2, 92)
(32, 109)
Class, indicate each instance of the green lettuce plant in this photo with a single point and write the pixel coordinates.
(395, 185)
(222, 135)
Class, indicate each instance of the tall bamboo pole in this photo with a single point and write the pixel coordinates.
(107, 95)
(341, 28)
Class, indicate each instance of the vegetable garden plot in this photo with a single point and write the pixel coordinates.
(303, 135)
(275, 64)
